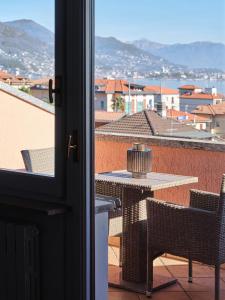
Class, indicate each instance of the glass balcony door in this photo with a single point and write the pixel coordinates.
(31, 106)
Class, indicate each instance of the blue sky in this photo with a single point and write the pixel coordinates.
(41, 11)
(166, 21)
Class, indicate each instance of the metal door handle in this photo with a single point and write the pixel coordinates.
(71, 147)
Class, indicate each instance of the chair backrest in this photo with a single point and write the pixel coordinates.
(40, 161)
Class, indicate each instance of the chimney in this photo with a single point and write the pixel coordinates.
(161, 109)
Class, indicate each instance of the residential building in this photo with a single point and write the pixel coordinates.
(189, 89)
(149, 123)
(216, 113)
(198, 122)
(189, 101)
(170, 97)
(136, 97)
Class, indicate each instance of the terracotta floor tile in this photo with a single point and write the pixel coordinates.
(122, 296)
(166, 296)
(182, 270)
(158, 262)
(113, 256)
(200, 284)
(172, 261)
(204, 295)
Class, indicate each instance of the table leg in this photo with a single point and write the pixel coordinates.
(134, 235)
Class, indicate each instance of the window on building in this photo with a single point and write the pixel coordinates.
(102, 105)
(128, 107)
(139, 106)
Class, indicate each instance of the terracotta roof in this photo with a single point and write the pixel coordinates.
(189, 87)
(7, 77)
(104, 116)
(175, 114)
(202, 96)
(217, 109)
(122, 86)
(112, 85)
(149, 123)
(161, 90)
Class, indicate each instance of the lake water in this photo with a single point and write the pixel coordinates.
(173, 83)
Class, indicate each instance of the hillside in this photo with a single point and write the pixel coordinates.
(24, 50)
(114, 56)
(192, 55)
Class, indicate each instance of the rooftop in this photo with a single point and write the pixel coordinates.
(149, 123)
(185, 116)
(122, 86)
(189, 87)
(104, 116)
(202, 96)
(13, 79)
(157, 89)
(217, 109)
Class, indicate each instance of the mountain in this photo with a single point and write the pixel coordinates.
(193, 55)
(114, 57)
(33, 29)
(26, 48)
(147, 45)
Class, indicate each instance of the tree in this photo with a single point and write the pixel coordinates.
(118, 104)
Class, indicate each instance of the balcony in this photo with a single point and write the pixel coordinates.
(202, 287)
(205, 160)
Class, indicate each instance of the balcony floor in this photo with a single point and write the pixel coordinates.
(202, 287)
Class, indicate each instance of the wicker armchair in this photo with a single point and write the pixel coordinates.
(115, 217)
(40, 161)
(196, 232)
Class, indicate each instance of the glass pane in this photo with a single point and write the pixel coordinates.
(165, 60)
(27, 63)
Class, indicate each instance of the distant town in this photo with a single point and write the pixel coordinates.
(190, 111)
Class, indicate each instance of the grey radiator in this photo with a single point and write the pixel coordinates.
(19, 262)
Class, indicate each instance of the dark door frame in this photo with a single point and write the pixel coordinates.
(79, 94)
(67, 241)
(16, 183)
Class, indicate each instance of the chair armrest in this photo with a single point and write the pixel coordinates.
(170, 224)
(204, 200)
